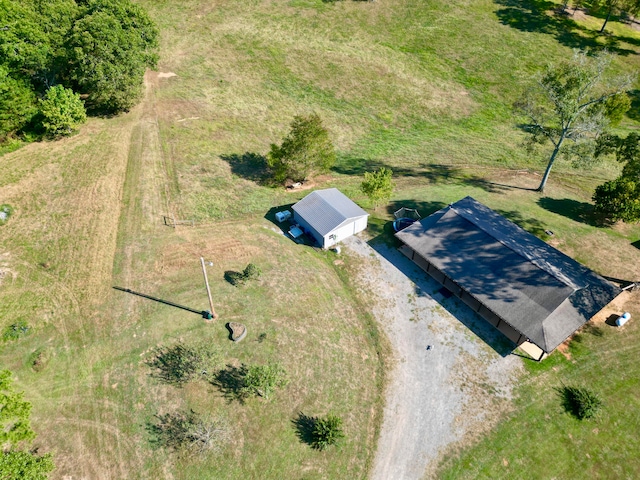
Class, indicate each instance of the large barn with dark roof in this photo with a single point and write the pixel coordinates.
(534, 294)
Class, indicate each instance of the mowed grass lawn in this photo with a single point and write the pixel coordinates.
(424, 88)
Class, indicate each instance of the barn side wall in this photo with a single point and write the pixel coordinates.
(308, 228)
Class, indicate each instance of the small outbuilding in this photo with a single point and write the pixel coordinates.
(532, 293)
(329, 216)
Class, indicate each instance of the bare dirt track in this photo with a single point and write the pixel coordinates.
(438, 397)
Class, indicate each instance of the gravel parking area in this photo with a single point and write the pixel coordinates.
(452, 374)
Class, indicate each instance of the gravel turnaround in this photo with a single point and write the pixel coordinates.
(453, 372)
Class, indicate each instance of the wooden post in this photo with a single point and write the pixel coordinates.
(206, 282)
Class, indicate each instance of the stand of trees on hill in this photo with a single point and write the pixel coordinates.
(98, 49)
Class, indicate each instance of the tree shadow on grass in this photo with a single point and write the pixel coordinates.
(169, 430)
(435, 173)
(250, 166)
(425, 285)
(304, 426)
(575, 210)
(172, 364)
(231, 382)
(540, 16)
(531, 225)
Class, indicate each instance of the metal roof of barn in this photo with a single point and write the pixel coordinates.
(327, 210)
(538, 290)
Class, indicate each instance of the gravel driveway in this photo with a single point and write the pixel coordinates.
(435, 397)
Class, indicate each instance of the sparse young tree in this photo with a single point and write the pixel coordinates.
(262, 380)
(191, 433)
(568, 101)
(378, 185)
(62, 111)
(305, 151)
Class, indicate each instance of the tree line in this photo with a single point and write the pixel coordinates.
(60, 57)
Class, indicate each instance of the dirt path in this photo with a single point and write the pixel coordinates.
(436, 397)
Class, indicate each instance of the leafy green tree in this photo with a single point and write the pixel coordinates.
(615, 108)
(326, 431)
(305, 151)
(619, 199)
(24, 46)
(55, 19)
(15, 412)
(109, 49)
(262, 380)
(567, 102)
(17, 103)
(378, 185)
(62, 111)
(17, 465)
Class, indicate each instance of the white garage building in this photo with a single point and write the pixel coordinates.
(329, 216)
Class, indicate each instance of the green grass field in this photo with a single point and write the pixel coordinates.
(423, 88)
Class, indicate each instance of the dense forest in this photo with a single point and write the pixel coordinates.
(60, 57)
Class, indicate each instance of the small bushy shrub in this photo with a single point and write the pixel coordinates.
(5, 212)
(16, 330)
(581, 402)
(237, 279)
(262, 380)
(326, 431)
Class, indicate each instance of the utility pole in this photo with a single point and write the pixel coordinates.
(206, 282)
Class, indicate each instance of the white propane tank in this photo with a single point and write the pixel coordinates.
(622, 319)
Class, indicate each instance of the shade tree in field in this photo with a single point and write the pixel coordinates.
(378, 185)
(240, 383)
(574, 101)
(305, 151)
(610, 7)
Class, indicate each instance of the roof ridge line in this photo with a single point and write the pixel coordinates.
(535, 260)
